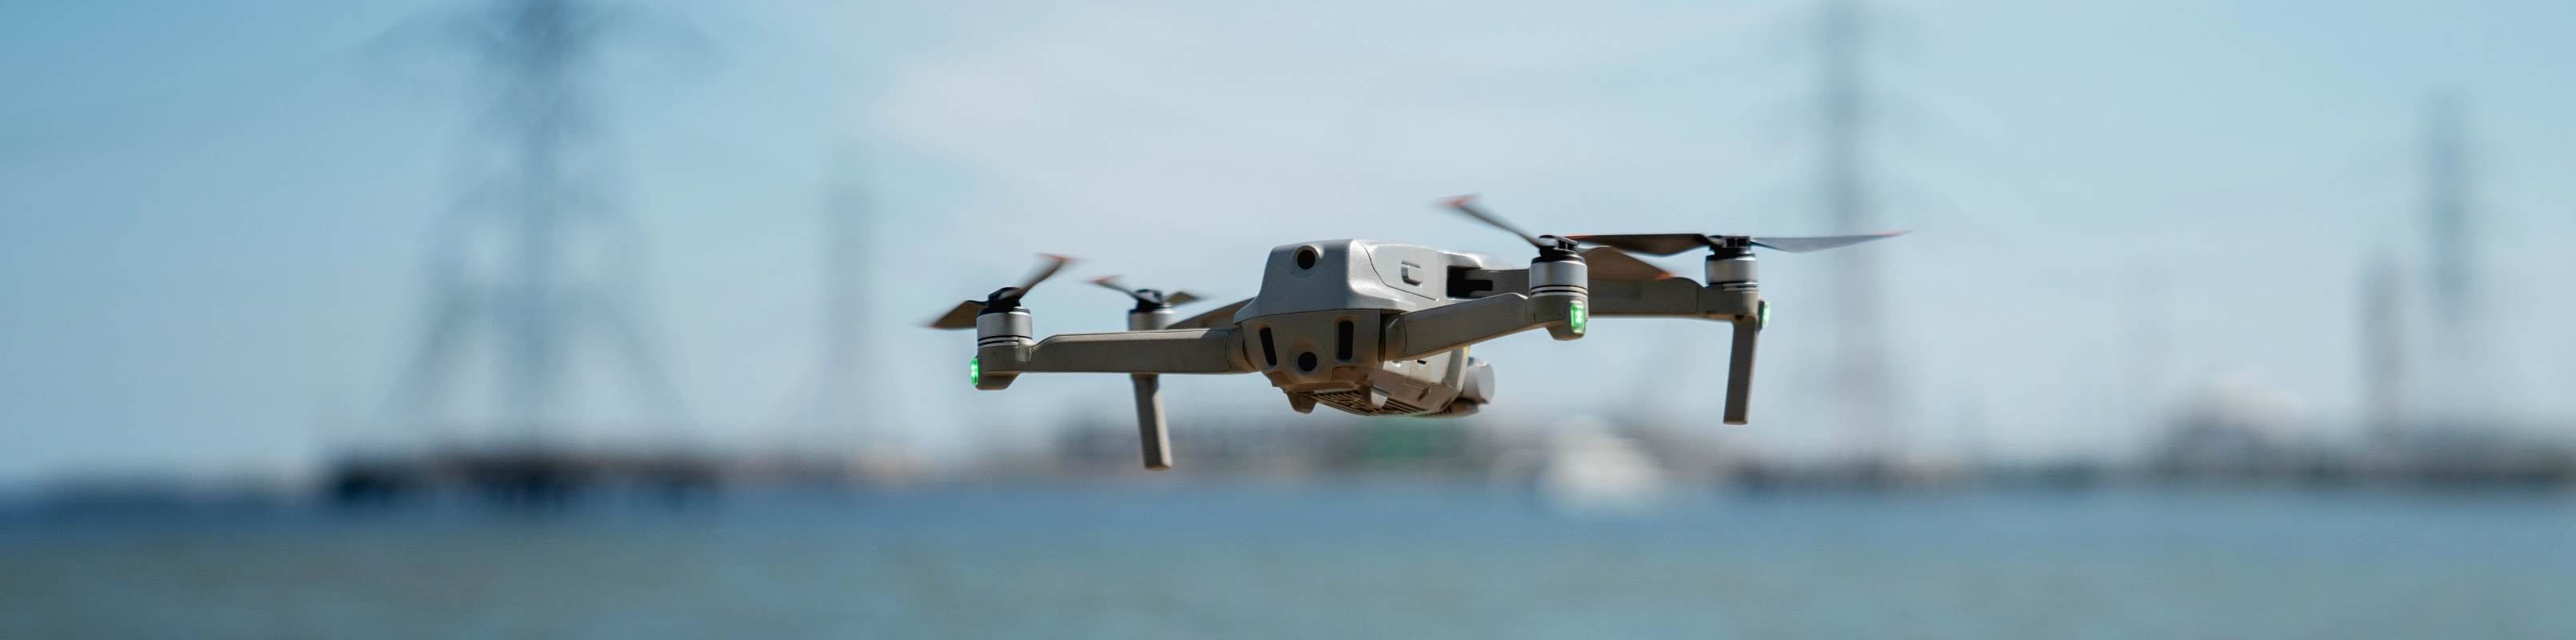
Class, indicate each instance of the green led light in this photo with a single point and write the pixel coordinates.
(1576, 317)
(1764, 318)
(975, 371)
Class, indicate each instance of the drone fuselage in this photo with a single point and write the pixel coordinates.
(1376, 328)
(1318, 329)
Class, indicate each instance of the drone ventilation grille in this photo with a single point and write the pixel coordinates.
(1357, 402)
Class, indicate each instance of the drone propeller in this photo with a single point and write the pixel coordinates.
(1466, 204)
(1004, 299)
(1665, 244)
(1547, 245)
(1559, 280)
(1147, 299)
(1610, 262)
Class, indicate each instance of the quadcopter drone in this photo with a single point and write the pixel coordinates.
(1383, 329)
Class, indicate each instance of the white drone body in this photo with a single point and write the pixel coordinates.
(1384, 329)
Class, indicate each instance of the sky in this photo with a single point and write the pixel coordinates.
(214, 218)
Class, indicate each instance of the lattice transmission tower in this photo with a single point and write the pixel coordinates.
(1863, 379)
(2458, 304)
(534, 273)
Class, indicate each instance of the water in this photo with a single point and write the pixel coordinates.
(1315, 562)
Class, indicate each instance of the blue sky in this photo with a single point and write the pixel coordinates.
(213, 217)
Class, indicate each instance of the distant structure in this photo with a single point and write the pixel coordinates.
(1863, 379)
(2458, 356)
(2383, 355)
(2150, 347)
(847, 396)
(851, 408)
(532, 278)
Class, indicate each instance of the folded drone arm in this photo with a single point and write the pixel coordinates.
(1422, 333)
(1656, 297)
(1671, 298)
(1165, 351)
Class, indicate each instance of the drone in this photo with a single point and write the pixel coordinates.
(1383, 329)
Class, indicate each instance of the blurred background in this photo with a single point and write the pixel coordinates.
(574, 318)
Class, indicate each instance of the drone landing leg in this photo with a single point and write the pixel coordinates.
(1150, 430)
(1739, 368)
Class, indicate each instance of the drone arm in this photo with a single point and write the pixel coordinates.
(1419, 334)
(1671, 298)
(1164, 351)
(1683, 298)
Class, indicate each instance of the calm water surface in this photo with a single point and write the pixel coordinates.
(1323, 562)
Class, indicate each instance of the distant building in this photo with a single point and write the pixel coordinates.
(2233, 427)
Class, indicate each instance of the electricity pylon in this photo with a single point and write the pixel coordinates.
(534, 272)
(1865, 394)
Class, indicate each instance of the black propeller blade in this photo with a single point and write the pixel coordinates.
(1612, 264)
(1466, 204)
(1147, 299)
(1820, 243)
(1665, 244)
(1004, 299)
(1547, 245)
(1653, 244)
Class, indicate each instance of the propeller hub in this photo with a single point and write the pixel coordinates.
(1557, 249)
(1003, 300)
(1730, 248)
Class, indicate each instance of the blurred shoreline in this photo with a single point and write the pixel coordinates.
(1579, 465)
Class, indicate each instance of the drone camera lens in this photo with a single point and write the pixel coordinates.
(1306, 362)
(1306, 257)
